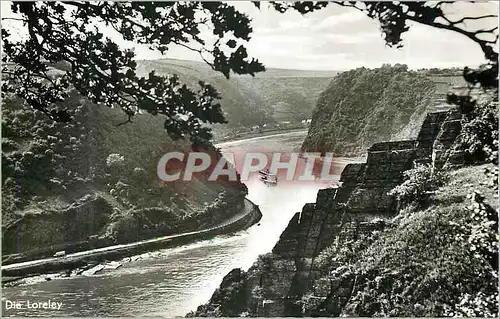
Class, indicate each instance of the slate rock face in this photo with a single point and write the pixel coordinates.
(359, 206)
(430, 129)
(76, 223)
(444, 152)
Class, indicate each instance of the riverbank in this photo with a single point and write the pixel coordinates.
(171, 282)
(250, 215)
(268, 133)
(357, 248)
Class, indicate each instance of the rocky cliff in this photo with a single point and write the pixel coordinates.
(365, 106)
(294, 279)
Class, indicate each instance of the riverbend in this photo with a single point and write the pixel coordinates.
(172, 282)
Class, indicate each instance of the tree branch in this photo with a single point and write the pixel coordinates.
(474, 18)
(129, 120)
(15, 19)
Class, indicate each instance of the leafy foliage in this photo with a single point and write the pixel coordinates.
(105, 74)
(395, 17)
(419, 182)
(42, 156)
(437, 270)
(435, 260)
(479, 136)
(338, 264)
(49, 165)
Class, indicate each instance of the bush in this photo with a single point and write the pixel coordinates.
(430, 260)
(419, 182)
(479, 136)
(115, 160)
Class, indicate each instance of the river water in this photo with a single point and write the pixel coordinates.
(172, 282)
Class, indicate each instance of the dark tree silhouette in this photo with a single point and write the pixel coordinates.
(394, 19)
(395, 16)
(63, 32)
(104, 73)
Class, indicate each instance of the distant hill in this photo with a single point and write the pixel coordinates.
(272, 96)
(364, 106)
(205, 70)
(276, 95)
(281, 95)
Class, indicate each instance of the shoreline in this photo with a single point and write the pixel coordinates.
(73, 261)
(274, 133)
(82, 259)
(257, 135)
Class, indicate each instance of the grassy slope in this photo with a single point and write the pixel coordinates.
(424, 265)
(249, 100)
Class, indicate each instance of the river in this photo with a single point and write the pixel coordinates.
(172, 282)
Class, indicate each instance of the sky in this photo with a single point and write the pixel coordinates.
(339, 38)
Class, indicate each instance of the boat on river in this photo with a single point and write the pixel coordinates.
(268, 178)
(264, 172)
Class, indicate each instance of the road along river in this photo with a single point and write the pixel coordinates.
(172, 282)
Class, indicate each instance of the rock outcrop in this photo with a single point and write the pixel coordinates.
(89, 215)
(278, 283)
(365, 106)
